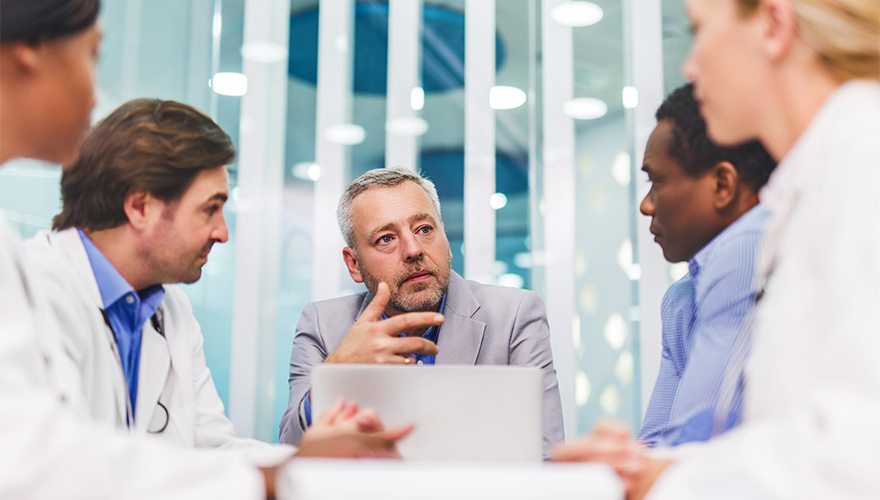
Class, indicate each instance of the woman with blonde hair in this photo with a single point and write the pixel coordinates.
(803, 77)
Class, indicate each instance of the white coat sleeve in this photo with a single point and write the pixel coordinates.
(49, 451)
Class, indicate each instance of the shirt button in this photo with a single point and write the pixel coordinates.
(129, 299)
(420, 362)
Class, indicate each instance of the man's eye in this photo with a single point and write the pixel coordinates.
(384, 240)
(424, 229)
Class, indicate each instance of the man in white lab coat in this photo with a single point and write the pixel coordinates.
(49, 447)
(142, 207)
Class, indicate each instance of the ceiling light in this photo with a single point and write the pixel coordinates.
(620, 168)
(417, 98)
(504, 97)
(630, 97)
(306, 170)
(346, 134)
(498, 201)
(217, 24)
(585, 108)
(407, 126)
(314, 172)
(577, 14)
(234, 84)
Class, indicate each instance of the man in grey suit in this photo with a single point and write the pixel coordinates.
(397, 247)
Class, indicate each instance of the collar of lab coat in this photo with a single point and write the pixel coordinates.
(155, 356)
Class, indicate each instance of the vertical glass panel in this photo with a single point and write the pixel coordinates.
(297, 219)
(676, 43)
(441, 148)
(514, 116)
(605, 382)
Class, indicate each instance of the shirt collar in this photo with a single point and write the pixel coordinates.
(111, 285)
(755, 216)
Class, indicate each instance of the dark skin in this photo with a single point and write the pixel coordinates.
(687, 212)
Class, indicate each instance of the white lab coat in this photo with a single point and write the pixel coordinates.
(172, 367)
(49, 448)
(811, 426)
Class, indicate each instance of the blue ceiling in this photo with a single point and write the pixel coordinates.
(442, 48)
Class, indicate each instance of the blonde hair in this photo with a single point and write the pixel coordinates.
(845, 34)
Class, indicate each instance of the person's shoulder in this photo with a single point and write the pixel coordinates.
(501, 296)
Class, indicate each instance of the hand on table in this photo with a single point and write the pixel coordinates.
(346, 431)
(611, 443)
(374, 340)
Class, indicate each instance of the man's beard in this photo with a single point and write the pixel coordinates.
(424, 296)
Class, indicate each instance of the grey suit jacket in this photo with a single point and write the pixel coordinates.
(485, 325)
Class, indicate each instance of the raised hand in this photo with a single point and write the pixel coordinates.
(374, 340)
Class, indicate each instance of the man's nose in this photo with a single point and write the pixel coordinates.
(411, 247)
(220, 233)
(647, 205)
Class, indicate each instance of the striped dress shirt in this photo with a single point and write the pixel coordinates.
(703, 315)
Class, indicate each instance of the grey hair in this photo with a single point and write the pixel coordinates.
(379, 177)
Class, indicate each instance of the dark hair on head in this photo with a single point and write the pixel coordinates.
(149, 144)
(40, 20)
(696, 154)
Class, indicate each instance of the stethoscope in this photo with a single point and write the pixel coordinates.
(158, 323)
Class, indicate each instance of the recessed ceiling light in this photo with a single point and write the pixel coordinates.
(504, 97)
(314, 172)
(307, 170)
(498, 201)
(585, 108)
(234, 84)
(577, 14)
(407, 126)
(346, 134)
(630, 97)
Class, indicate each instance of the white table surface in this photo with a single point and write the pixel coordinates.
(332, 479)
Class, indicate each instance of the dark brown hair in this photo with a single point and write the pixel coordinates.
(149, 144)
(34, 21)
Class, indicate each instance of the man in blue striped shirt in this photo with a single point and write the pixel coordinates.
(704, 210)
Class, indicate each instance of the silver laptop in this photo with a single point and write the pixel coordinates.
(460, 413)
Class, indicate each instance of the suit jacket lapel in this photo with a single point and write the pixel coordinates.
(461, 335)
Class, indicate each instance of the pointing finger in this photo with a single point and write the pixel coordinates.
(374, 310)
(408, 321)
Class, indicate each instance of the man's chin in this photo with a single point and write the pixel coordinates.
(192, 278)
(421, 301)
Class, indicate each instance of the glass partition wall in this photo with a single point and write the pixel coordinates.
(529, 115)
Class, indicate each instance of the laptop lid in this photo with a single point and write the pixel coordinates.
(460, 413)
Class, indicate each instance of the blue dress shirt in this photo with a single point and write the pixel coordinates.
(703, 315)
(125, 312)
(432, 334)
